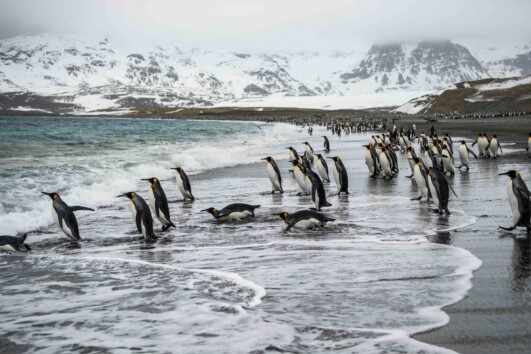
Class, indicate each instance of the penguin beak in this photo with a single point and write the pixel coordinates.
(265, 158)
(205, 210)
(173, 168)
(145, 179)
(48, 194)
(121, 195)
(504, 174)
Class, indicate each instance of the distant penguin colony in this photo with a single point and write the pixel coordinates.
(430, 170)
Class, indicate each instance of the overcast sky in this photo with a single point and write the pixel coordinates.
(272, 24)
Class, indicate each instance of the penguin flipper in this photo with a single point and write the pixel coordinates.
(78, 207)
(138, 221)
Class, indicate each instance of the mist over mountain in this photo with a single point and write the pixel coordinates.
(78, 74)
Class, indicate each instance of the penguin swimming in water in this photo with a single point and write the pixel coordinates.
(14, 243)
(322, 168)
(274, 175)
(340, 175)
(317, 189)
(308, 152)
(463, 155)
(293, 155)
(304, 219)
(300, 177)
(327, 144)
(519, 200)
(235, 211)
(159, 203)
(183, 183)
(64, 217)
(141, 215)
(439, 190)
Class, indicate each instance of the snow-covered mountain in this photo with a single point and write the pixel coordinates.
(84, 75)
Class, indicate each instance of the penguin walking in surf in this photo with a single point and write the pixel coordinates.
(274, 175)
(464, 151)
(183, 183)
(519, 199)
(439, 190)
(317, 190)
(340, 175)
(304, 219)
(14, 243)
(322, 169)
(64, 217)
(159, 203)
(300, 177)
(327, 144)
(141, 215)
(420, 173)
(493, 147)
(236, 211)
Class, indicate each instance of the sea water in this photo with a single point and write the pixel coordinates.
(365, 283)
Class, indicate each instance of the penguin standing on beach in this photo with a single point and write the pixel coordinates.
(411, 155)
(317, 190)
(340, 175)
(274, 175)
(236, 211)
(493, 147)
(183, 183)
(327, 144)
(322, 168)
(300, 177)
(519, 200)
(421, 178)
(64, 217)
(304, 219)
(14, 243)
(159, 203)
(385, 163)
(439, 190)
(463, 155)
(141, 215)
(371, 160)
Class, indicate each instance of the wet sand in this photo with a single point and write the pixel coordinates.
(495, 316)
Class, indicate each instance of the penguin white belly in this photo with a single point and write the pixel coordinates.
(513, 201)
(180, 185)
(386, 166)
(308, 184)
(273, 177)
(433, 192)
(292, 156)
(133, 210)
(336, 176)
(427, 161)
(494, 148)
(402, 143)
(299, 176)
(143, 228)
(448, 163)
(321, 170)
(64, 227)
(411, 162)
(309, 154)
(238, 215)
(7, 247)
(369, 162)
(307, 224)
(55, 217)
(463, 155)
(421, 182)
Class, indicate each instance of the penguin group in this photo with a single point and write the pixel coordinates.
(430, 169)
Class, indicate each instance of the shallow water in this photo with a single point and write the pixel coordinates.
(364, 284)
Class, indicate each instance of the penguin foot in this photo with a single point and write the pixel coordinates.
(418, 198)
(435, 210)
(509, 228)
(409, 176)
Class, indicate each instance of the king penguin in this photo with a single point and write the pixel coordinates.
(274, 175)
(304, 219)
(308, 152)
(322, 168)
(141, 215)
(411, 155)
(236, 211)
(300, 177)
(371, 160)
(14, 243)
(159, 203)
(183, 183)
(519, 200)
(439, 190)
(421, 178)
(317, 190)
(64, 217)
(340, 175)
(293, 155)
(327, 144)
(463, 155)
(493, 147)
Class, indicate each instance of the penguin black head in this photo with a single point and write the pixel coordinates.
(463, 142)
(52, 195)
(269, 158)
(178, 169)
(212, 211)
(416, 159)
(290, 148)
(511, 173)
(282, 215)
(151, 180)
(129, 195)
(319, 156)
(335, 158)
